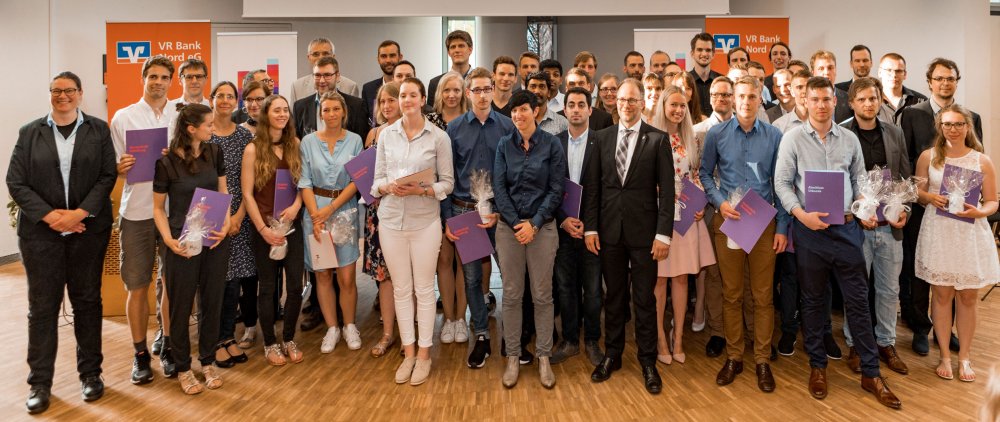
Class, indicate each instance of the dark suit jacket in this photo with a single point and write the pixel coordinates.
(627, 213)
(844, 86)
(305, 115)
(917, 123)
(35, 181)
(843, 110)
(368, 92)
(599, 119)
(774, 113)
(588, 152)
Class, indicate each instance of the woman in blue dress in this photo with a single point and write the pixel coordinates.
(329, 195)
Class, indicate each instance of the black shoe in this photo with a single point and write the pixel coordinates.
(526, 357)
(38, 400)
(832, 349)
(157, 343)
(715, 346)
(786, 346)
(952, 342)
(228, 362)
(481, 351)
(311, 321)
(141, 371)
(920, 345)
(92, 388)
(604, 369)
(167, 362)
(651, 379)
(491, 301)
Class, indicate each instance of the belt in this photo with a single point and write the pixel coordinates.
(462, 203)
(332, 194)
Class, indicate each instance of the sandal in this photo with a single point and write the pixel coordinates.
(249, 338)
(274, 355)
(292, 350)
(965, 372)
(212, 378)
(383, 345)
(944, 369)
(190, 384)
(238, 357)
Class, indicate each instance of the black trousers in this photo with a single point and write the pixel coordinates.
(203, 275)
(914, 293)
(74, 263)
(267, 274)
(640, 281)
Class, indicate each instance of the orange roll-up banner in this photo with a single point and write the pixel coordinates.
(754, 33)
(130, 44)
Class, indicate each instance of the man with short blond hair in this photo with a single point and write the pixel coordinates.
(823, 63)
(895, 96)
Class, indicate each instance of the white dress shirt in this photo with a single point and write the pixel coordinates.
(137, 199)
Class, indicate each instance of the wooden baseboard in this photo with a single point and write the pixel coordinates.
(4, 260)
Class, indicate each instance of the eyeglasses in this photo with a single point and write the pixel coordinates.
(948, 79)
(894, 71)
(194, 77)
(953, 125)
(68, 91)
(224, 96)
(608, 90)
(481, 91)
(325, 75)
(254, 100)
(721, 95)
(268, 81)
(629, 101)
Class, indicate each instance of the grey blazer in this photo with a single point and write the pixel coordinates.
(896, 157)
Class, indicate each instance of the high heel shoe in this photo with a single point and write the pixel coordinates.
(697, 327)
(965, 372)
(679, 356)
(664, 358)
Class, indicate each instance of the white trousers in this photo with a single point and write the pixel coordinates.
(411, 257)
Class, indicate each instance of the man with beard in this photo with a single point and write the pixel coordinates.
(389, 54)
(702, 51)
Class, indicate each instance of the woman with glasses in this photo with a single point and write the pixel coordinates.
(254, 94)
(607, 91)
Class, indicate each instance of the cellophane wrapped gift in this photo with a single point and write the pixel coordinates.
(872, 186)
(482, 191)
(734, 198)
(344, 227)
(195, 230)
(959, 184)
(898, 195)
(278, 252)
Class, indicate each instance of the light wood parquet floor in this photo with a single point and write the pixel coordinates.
(352, 386)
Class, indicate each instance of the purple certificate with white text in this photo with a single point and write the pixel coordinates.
(284, 191)
(214, 205)
(362, 171)
(825, 193)
(755, 215)
(572, 195)
(147, 146)
(691, 199)
(473, 243)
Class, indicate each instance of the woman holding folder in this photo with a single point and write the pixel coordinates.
(956, 257)
(192, 162)
(410, 221)
(691, 251)
(329, 195)
(275, 148)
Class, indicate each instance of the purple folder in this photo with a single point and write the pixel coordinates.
(825, 193)
(879, 213)
(284, 191)
(473, 243)
(215, 205)
(362, 171)
(572, 195)
(974, 193)
(755, 215)
(694, 200)
(147, 146)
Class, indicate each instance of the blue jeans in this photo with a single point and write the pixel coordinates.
(885, 251)
(473, 273)
(578, 270)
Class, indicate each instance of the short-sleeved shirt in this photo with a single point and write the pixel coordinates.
(174, 178)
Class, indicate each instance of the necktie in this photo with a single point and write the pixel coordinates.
(622, 154)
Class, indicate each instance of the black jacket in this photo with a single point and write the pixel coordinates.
(305, 115)
(917, 123)
(588, 152)
(599, 119)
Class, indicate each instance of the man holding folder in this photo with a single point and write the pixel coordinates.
(820, 145)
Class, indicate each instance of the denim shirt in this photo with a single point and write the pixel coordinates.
(529, 184)
(474, 147)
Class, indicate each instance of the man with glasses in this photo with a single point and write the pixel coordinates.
(658, 62)
(702, 52)
(326, 72)
(895, 96)
(579, 78)
(388, 55)
(917, 122)
(304, 86)
(628, 216)
(194, 77)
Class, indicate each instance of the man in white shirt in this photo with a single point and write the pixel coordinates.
(304, 87)
(783, 92)
(793, 120)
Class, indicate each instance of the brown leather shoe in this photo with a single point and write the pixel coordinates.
(817, 383)
(728, 372)
(853, 360)
(892, 360)
(880, 389)
(765, 381)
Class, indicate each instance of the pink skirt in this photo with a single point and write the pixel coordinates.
(689, 253)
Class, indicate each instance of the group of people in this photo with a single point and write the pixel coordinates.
(524, 129)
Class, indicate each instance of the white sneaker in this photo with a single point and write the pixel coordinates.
(448, 332)
(461, 331)
(353, 337)
(330, 340)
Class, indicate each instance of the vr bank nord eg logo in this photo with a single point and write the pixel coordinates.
(133, 51)
(726, 42)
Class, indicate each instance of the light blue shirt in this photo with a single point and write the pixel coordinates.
(801, 150)
(575, 149)
(64, 148)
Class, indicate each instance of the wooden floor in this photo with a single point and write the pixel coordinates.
(351, 385)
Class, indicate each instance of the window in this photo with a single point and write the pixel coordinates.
(542, 36)
(467, 24)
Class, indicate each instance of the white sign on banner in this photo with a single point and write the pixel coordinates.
(240, 52)
(675, 42)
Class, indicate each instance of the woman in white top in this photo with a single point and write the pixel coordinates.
(410, 221)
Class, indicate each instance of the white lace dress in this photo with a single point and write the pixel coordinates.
(951, 252)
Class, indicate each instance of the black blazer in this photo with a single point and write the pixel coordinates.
(368, 92)
(628, 212)
(917, 122)
(842, 111)
(599, 119)
(588, 151)
(897, 160)
(305, 115)
(35, 181)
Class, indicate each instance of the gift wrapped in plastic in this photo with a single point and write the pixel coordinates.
(873, 185)
(959, 185)
(278, 252)
(898, 195)
(196, 230)
(344, 227)
(734, 198)
(482, 191)
(678, 204)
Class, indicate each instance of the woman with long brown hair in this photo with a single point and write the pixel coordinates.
(685, 82)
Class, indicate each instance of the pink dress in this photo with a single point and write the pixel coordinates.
(692, 251)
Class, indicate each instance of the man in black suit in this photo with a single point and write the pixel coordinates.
(824, 64)
(917, 123)
(576, 269)
(599, 119)
(628, 215)
(861, 66)
(325, 74)
(61, 174)
(388, 55)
